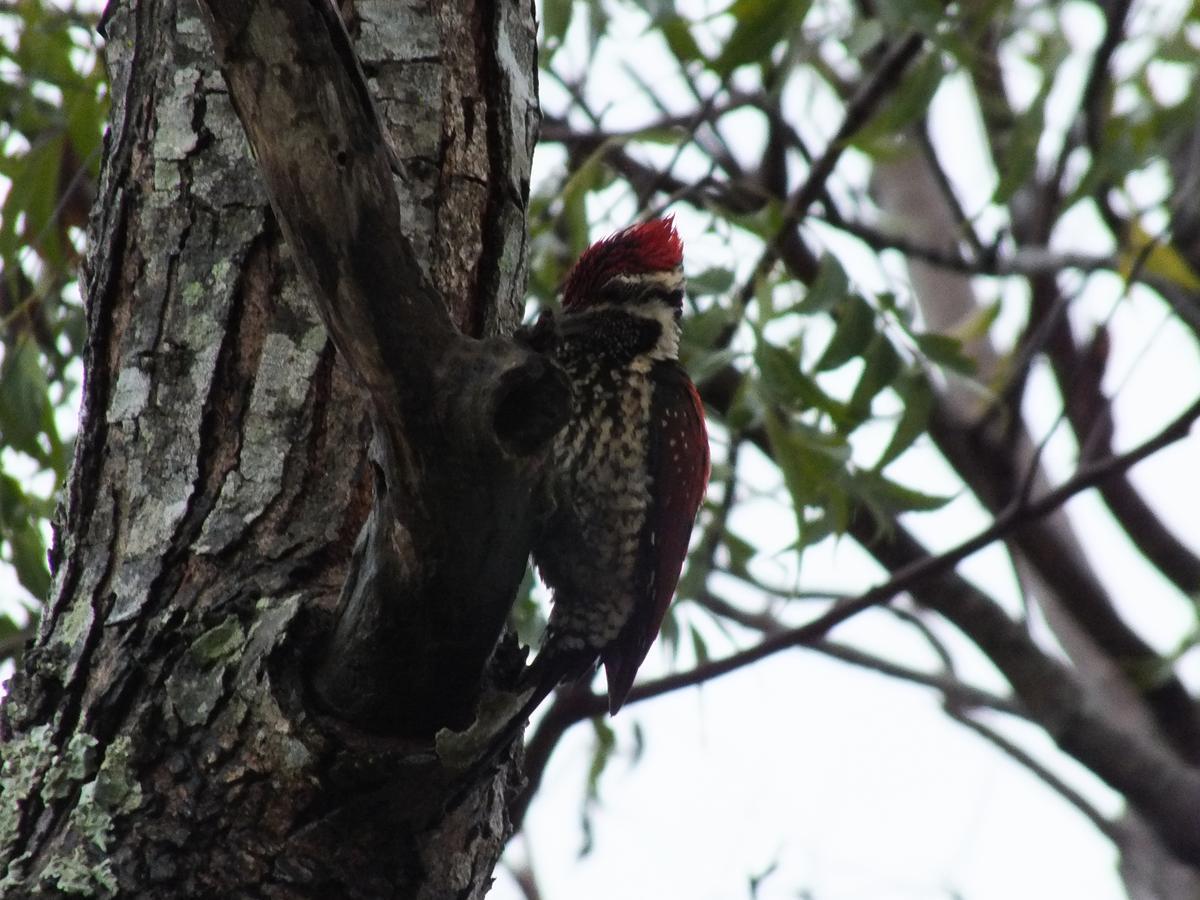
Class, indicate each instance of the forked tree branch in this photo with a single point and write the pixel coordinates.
(459, 423)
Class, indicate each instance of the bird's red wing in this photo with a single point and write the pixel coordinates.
(678, 462)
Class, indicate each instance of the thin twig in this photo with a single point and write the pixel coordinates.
(1091, 117)
(859, 110)
(557, 130)
(914, 621)
(955, 691)
(1024, 261)
(946, 188)
(948, 683)
(763, 621)
(1043, 774)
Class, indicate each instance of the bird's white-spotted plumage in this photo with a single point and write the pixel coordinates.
(601, 498)
(626, 474)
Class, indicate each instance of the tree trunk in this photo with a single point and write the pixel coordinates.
(162, 738)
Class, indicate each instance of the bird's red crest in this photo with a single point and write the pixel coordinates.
(652, 246)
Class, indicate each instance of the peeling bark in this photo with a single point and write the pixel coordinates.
(162, 738)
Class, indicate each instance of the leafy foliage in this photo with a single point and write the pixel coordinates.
(53, 94)
(809, 322)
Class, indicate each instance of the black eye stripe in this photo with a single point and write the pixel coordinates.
(626, 292)
(619, 292)
(673, 298)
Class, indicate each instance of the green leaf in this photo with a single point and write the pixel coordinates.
(906, 105)
(747, 410)
(761, 24)
(1019, 160)
(831, 520)
(829, 450)
(917, 397)
(881, 366)
(602, 750)
(740, 551)
(855, 329)
(33, 196)
(44, 52)
(20, 517)
(601, 754)
(927, 16)
(702, 366)
(591, 175)
(705, 328)
(677, 32)
(556, 19)
(782, 380)
(85, 118)
(788, 455)
(716, 280)
(945, 351)
(8, 628)
(25, 411)
(29, 559)
(1146, 255)
(598, 19)
(668, 632)
(828, 289)
(786, 384)
(811, 463)
(884, 496)
(699, 646)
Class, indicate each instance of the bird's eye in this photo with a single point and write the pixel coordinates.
(618, 291)
(655, 293)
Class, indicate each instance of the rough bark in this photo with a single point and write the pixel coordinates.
(163, 738)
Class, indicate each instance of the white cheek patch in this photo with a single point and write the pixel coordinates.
(668, 338)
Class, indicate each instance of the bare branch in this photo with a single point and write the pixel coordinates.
(1095, 100)
(556, 130)
(1112, 647)
(1086, 477)
(1024, 261)
(1079, 374)
(1134, 763)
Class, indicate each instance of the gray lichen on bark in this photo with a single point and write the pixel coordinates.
(280, 389)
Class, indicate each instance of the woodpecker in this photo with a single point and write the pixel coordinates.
(628, 471)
